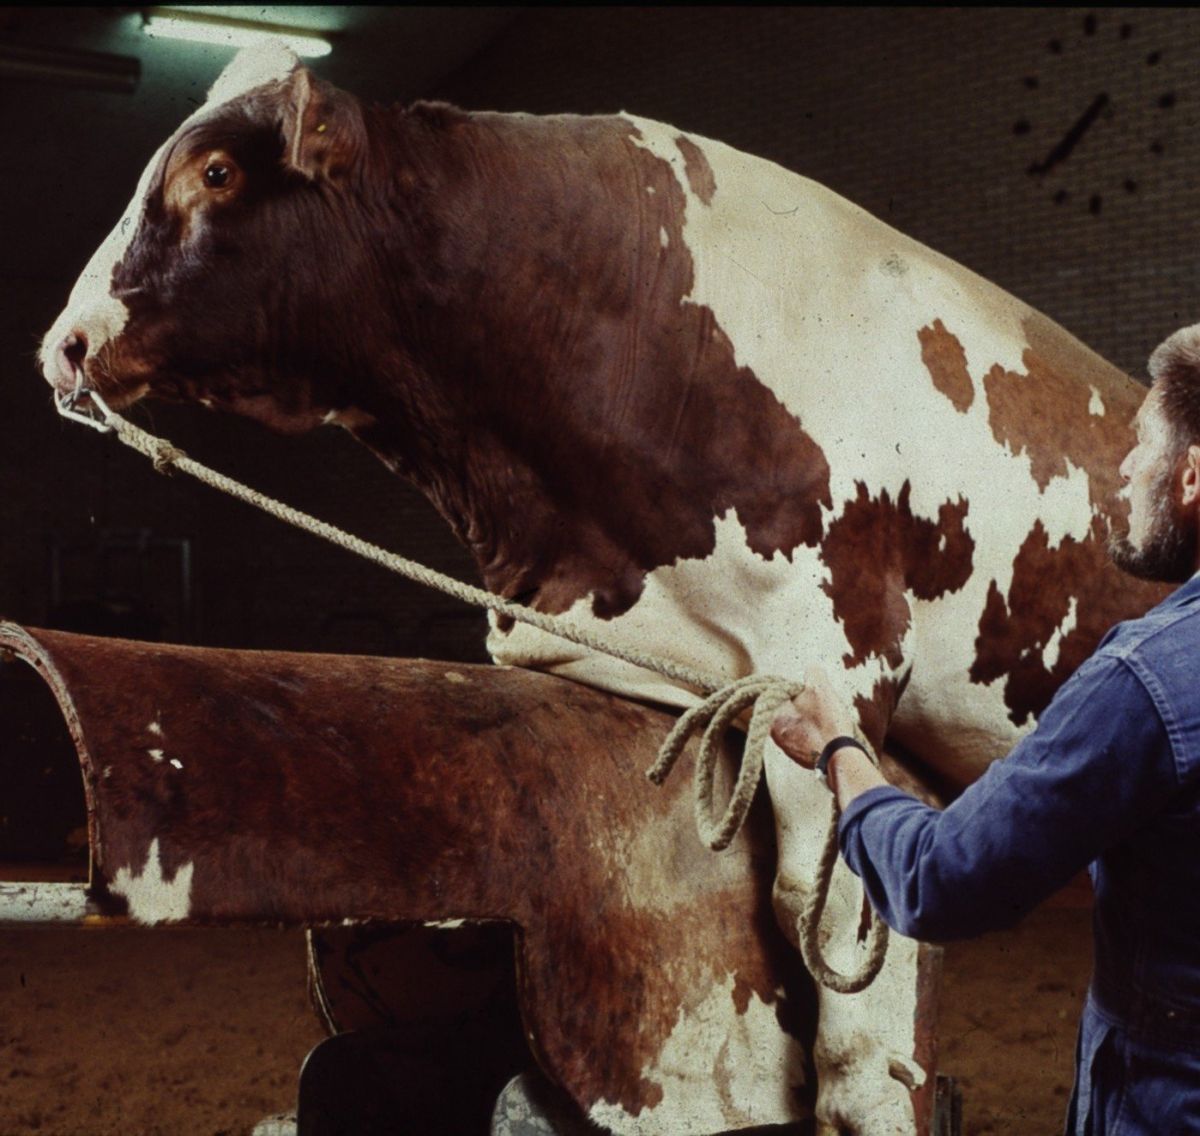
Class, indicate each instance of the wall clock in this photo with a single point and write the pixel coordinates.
(1095, 86)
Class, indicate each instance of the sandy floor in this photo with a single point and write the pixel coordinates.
(1010, 1006)
(183, 1032)
(147, 1032)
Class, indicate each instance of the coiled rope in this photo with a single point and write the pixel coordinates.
(766, 694)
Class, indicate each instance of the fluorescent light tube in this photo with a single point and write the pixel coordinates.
(199, 27)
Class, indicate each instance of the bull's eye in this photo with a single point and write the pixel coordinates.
(216, 175)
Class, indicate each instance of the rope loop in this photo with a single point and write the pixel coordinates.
(809, 927)
(716, 714)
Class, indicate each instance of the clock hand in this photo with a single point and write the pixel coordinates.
(1070, 140)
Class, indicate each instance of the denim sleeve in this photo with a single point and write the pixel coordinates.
(1098, 765)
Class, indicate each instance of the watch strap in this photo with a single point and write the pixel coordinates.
(831, 748)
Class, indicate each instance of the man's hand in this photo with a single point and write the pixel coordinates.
(812, 718)
(815, 717)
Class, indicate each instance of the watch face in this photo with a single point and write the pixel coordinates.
(1098, 85)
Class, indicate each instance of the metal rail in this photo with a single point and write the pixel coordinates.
(48, 904)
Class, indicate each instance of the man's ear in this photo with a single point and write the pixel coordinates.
(323, 130)
(1189, 478)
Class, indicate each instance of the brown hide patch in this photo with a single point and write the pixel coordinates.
(875, 712)
(876, 552)
(699, 173)
(946, 362)
(610, 423)
(197, 180)
(1014, 630)
(1045, 412)
(899, 766)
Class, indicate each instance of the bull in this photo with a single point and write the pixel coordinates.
(679, 394)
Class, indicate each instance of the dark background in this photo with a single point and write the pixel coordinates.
(929, 118)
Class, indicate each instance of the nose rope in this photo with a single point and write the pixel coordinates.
(762, 695)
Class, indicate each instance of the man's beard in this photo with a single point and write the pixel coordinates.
(1168, 553)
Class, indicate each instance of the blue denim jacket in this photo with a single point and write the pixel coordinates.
(1109, 778)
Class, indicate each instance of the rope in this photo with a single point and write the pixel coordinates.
(766, 695)
(717, 713)
(809, 926)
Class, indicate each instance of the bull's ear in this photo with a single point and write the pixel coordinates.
(1178, 354)
(323, 130)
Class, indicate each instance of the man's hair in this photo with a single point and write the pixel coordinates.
(1175, 368)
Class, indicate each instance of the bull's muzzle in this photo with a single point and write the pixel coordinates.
(63, 363)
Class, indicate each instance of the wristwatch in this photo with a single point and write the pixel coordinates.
(830, 749)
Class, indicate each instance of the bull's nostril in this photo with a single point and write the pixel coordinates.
(74, 348)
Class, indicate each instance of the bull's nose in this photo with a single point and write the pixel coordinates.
(73, 348)
(66, 359)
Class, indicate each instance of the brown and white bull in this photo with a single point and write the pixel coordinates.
(680, 393)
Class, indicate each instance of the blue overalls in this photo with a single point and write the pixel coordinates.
(1109, 778)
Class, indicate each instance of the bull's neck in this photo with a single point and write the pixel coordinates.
(494, 407)
(558, 396)
(517, 510)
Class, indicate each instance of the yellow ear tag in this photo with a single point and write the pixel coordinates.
(321, 128)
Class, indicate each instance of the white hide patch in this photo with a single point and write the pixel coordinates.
(729, 615)
(271, 61)
(1096, 406)
(91, 307)
(755, 1067)
(151, 897)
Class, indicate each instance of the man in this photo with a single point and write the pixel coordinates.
(1110, 778)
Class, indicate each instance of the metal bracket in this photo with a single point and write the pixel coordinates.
(66, 406)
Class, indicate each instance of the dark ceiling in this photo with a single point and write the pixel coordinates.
(382, 52)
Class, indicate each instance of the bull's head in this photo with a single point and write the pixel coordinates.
(217, 283)
(427, 275)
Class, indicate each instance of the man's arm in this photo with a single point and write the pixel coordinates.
(851, 773)
(1098, 765)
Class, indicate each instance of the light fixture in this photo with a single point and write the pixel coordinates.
(201, 27)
